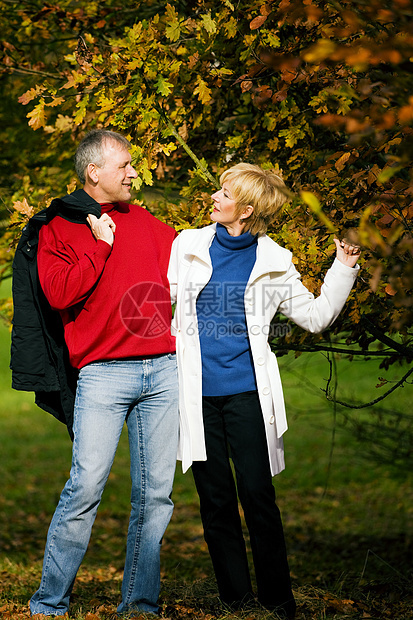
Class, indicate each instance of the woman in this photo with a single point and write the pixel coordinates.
(228, 281)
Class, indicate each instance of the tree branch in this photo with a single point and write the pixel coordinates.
(33, 72)
(377, 333)
(184, 145)
(372, 402)
(313, 348)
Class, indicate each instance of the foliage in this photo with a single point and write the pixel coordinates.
(318, 88)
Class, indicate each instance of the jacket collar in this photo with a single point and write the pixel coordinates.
(201, 244)
(270, 256)
(74, 207)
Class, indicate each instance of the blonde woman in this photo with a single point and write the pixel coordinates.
(228, 281)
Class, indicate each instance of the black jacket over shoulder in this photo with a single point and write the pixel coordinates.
(39, 356)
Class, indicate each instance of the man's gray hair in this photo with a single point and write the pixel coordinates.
(90, 150)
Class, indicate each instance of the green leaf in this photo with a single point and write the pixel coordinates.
(387, 173)
(163, 87)
(172, 30)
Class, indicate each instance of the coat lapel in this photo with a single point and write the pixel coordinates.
(270, 258)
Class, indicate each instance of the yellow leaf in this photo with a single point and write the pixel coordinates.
(37, 116)
(64, 123)
(105, 104)
(70, 188)
(320, 51)
(82, 107)
(136, 63)
(387, 173)
(208, 23)
(231, 27)
(56, 101)
(202, 90)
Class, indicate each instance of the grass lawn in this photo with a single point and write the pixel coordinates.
(348, 519)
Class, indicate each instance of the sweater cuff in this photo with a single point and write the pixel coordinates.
(103, 248)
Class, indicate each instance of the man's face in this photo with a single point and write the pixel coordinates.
(115, 178)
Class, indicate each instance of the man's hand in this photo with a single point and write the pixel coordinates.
(347, 253)
(102, 228)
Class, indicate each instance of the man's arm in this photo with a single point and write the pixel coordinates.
(66, 276)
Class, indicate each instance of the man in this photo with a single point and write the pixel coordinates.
(102, 264)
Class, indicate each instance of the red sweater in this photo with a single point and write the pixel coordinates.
(114, 301)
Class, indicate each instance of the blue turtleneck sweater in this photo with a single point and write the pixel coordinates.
(227, 366)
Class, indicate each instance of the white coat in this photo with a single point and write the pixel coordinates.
(274, 285)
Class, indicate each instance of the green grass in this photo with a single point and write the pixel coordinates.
(348, 519)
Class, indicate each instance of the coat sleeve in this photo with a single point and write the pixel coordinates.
(316, 314)
(66, 277)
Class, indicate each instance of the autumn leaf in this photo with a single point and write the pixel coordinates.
(390, 290)
(56, 101)
(203, 91)
(82, 107)
(341, 162)
(257, 22)
(30, 95)
(22, 206)
(318, 52)
(163, 87)
(64, 123)
(37, 116)
(172, 29)
(208, 23)
(286, 93)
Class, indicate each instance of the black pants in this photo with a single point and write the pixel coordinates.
(235, 423)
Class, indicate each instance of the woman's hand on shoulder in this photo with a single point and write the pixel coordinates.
(347, 253)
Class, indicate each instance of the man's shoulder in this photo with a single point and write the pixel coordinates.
(151, 220)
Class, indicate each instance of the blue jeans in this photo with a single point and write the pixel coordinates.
(144, 393)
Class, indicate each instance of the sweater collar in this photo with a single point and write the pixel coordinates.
(241, 242)
(270, 256)
(108, 207)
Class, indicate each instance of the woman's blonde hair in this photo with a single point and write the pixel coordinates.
(264, 190)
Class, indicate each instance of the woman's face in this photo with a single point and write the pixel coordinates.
(224, 210)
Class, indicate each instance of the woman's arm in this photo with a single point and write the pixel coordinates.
(315, 314)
